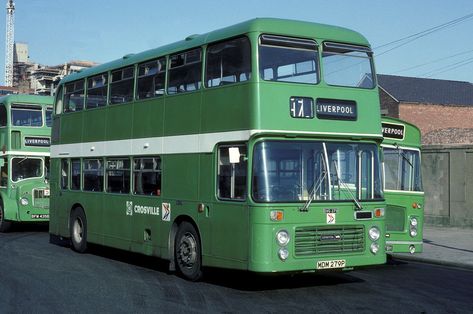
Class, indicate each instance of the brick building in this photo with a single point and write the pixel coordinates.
(443, 110)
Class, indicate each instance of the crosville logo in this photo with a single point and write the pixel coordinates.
(129, 208)
(140, 209)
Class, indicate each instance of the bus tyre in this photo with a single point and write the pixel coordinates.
(78, 229)
(4, 225)
(187, 252)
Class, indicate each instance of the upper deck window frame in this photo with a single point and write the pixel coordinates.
(238, 75)
(179, 61)
(284, 52)
(336, 48)
(98, 82)
(71, 88)
(151, 74)
(119, 78)
(26, 107)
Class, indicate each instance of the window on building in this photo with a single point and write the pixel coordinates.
(151, 79)
(185, 71)
(147, 176)
(97, 91)
(118, 175)
(228, 62)
(232, 172)
(93, 175)
(73, 96)
(75, 174)
(121, 87)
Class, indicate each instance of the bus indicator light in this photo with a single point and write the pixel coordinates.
(277, 215)
(379, 212)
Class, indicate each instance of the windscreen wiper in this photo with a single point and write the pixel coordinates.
(314, 190)
(357, 203)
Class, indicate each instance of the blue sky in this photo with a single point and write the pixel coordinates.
(60, 30)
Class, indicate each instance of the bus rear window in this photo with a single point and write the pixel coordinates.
(287, 59)
(26, 116)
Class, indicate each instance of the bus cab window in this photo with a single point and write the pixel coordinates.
(232, 171)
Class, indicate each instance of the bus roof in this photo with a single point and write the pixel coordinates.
(25, 98)
(320, 32)
(412, 134)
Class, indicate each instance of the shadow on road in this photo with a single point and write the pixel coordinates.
(233, 279)
(29, 227)
(247, 281)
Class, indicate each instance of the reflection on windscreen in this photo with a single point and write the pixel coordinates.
(347, 65)
(402, 171)
(26, 168)
(295, 171)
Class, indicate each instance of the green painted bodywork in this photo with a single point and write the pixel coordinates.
(234, 234)
(399, 204)
(37, 209)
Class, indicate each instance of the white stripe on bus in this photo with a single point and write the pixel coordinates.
(178, 144)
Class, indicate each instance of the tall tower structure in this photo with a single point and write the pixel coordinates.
(9, 43)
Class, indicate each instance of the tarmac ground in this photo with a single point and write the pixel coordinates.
(449, 246)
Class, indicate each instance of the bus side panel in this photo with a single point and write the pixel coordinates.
(119, 122)
(10, 206)
(71, 126)
(221, 112)
(148, 118)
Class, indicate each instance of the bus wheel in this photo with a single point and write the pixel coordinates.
(187, 252)
(4, 225)
(78, 229)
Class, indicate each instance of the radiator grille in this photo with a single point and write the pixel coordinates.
(41, 198)
(316, 240)
(395, 218)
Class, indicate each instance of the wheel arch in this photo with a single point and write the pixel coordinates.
(172, 237)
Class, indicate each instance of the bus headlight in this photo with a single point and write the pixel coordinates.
(282, 236)
(374, 233)
(413, 226)
(374, 248)
(24, 201)
(283, 253)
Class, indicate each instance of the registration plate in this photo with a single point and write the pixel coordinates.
(336, 263)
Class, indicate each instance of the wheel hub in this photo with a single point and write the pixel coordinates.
(187, 250)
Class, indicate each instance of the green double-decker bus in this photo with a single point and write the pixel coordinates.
(25, 132)
(254, 147)
(403, 186)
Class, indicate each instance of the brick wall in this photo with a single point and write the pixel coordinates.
(440, 124)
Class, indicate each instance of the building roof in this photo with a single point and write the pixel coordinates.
(431, 91)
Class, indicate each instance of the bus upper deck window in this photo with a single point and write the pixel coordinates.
(288, 59)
